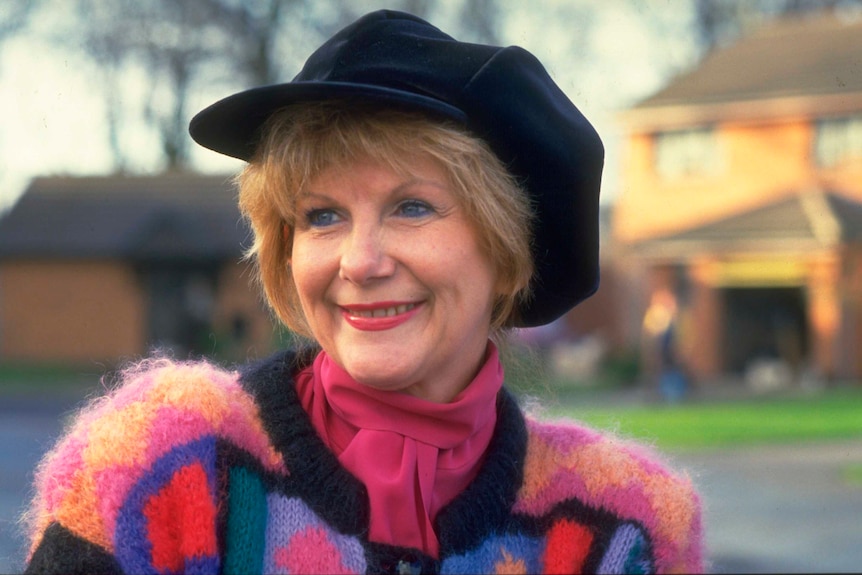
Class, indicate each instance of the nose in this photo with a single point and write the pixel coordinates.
(364, 255)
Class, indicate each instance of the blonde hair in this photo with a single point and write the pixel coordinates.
(301, 141)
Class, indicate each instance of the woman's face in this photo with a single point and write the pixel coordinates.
(391, 278)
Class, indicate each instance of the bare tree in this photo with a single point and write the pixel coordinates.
(179, 45)
(479, 21)
(183, 46)
(15, 15)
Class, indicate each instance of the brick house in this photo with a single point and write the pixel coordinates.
(102, 269)
(742, 198)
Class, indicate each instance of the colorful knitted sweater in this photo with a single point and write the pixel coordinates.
(188, 468)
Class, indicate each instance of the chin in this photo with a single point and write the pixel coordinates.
(381, 381)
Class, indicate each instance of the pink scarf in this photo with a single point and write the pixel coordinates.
(414, 456)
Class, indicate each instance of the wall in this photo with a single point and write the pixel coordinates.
(69, 311)
(241, 321)
(761, 162)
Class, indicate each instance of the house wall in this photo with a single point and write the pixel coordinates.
(69, 311)
(241, 323)
(85, 312)
(851, 337)
(760, 163)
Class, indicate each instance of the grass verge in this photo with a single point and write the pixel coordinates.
(852, 474)
(834, 414)
(23, 379)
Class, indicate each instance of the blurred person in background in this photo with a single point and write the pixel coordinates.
(412, 197)
(661, 349)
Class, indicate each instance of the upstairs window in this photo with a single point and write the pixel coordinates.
(682, 153)
(838, 140)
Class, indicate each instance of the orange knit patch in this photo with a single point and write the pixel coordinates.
(181, 520)
(190, 387)
(538, 466)
(509, 566)
(678, 511)
(567, 547)
(119, 437)
(610, 467)
(76, 511)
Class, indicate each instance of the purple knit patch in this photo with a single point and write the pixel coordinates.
(298, 541)
(627, 552)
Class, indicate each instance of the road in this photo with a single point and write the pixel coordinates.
(777, 509)
(28, 428)
(781, 509)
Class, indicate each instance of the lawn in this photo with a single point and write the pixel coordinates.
(71, 383)
(835, 414)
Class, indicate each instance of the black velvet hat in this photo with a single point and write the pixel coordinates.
(502, 95)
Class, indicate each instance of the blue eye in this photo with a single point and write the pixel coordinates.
(321, 218)
(413, 209)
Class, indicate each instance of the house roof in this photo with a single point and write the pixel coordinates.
(808, 220)
(803, 64)
(166, 217)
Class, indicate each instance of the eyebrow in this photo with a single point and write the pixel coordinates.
(308, 194)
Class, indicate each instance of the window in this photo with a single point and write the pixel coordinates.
(683, 153)
(838, 140)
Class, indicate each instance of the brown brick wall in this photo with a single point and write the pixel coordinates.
(71, 311)
(239, 305)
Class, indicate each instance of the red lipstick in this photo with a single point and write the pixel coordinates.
(379, 316)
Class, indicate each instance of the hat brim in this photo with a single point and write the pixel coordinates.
(232, 125)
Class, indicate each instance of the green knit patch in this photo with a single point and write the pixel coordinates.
(246, 525)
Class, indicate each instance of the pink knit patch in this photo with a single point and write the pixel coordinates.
(112, 486)
(136, 385)
(245, 432)
(172, 427)
(310, 551)
(56, 479)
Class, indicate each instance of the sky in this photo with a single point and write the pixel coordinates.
(54, 116)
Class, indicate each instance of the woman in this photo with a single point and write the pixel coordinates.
(411, 196)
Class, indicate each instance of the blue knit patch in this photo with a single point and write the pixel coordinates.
(505, 553)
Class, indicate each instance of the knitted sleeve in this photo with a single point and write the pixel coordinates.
(133, 486)
(660, 510)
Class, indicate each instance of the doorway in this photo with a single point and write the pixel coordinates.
(765, 323)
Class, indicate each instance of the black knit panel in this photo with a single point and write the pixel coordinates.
(63, 552)
(326, 487)
(485, 506)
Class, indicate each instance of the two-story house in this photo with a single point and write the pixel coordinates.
(742, 199)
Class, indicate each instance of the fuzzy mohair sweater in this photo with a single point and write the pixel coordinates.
(189, 468)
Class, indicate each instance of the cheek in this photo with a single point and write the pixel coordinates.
(312, 274)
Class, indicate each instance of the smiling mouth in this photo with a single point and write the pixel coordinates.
(382, 311)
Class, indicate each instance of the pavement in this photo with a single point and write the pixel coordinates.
(767, 509)
(28, 428)
(781, 509)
